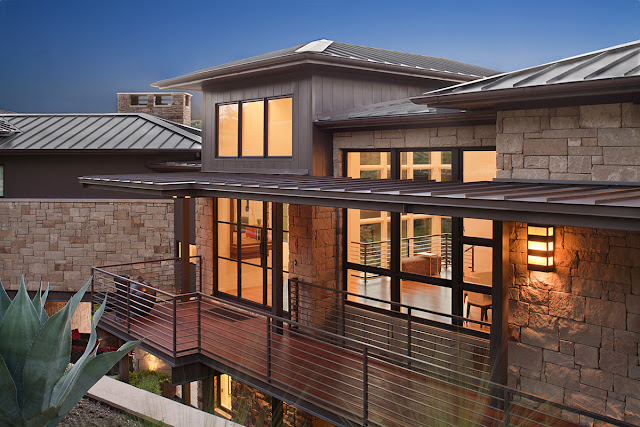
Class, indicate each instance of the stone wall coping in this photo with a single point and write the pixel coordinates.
(41, 200)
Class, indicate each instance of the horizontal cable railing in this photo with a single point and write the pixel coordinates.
(361, 383)
(402, 331)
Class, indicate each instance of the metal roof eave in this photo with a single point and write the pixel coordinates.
(579, 215)
(519, 95)
(195, 81)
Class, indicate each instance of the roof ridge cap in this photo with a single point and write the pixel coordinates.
(316, 46)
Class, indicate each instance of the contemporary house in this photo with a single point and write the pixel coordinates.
(392, 239)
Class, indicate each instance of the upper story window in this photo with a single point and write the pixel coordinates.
(256, 128)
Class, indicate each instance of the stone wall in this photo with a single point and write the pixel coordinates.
(586, 143)
(575, 332)
(204, 241)
(58, 241)
(179, 111)
(444, 137)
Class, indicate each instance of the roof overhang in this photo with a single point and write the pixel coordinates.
(624, 89)
(571, 204)
(196, 80)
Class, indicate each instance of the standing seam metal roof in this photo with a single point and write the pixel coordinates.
(615, 62)
(122, 131)
(420, 63)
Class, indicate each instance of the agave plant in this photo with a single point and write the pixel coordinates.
(37, 384)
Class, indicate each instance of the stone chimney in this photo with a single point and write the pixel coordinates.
(174, 106)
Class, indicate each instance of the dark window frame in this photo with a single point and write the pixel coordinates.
(458, 240)
(265, 135)
(266, 269)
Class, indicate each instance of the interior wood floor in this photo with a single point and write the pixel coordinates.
(320, 372)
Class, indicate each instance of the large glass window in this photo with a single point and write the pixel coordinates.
(243, 245)
(241, 128)
(280, 127)
(253, 128)
(228, 130)
(444, 271)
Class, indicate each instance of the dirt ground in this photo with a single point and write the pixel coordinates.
(94, 414)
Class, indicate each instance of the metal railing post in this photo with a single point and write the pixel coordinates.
(175, 328)
(409, 332)
(365, 386)
(506, 420)
(128, 307)
(268, 349)
(199, 323)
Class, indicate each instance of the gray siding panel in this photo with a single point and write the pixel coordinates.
(296, 85)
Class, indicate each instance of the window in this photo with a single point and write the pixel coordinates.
(139, 100)
(160, 100)
(224, 392)
(256, 128)
(444, 264)
(1, 181)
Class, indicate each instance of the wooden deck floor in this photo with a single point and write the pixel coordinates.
(322, 373)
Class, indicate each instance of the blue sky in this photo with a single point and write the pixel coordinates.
(73, 56)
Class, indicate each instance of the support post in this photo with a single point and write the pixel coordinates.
(276, 264)
(277, 412)
(500, 310)
(186, 243)
(123, 367)
(186, 394)
(396, 257)
(208, 394)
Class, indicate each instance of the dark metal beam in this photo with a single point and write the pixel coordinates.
(500, 307)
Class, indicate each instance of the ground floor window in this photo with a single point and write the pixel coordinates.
(243, 249)
(441, 265)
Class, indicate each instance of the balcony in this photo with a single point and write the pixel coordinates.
(326, 354)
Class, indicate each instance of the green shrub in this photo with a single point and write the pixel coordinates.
(38, 386)
(148, 380)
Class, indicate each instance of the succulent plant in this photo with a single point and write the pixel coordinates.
(38, 386)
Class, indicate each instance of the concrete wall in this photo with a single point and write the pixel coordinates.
(461, 136)
(58, 241)
(575, 332)
(586, 143)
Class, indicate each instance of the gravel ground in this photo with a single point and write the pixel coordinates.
(94, 414)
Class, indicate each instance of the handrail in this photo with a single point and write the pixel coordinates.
(499, 393)
(132, 280)
(411, 361)
(150, 261)
(396, 304)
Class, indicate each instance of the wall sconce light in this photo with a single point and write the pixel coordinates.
(540, 247)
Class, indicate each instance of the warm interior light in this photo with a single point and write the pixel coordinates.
(540, 247)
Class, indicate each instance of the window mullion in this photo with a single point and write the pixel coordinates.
(265, 126)
(239, 129)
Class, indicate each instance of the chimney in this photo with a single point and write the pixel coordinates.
(174, 106)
